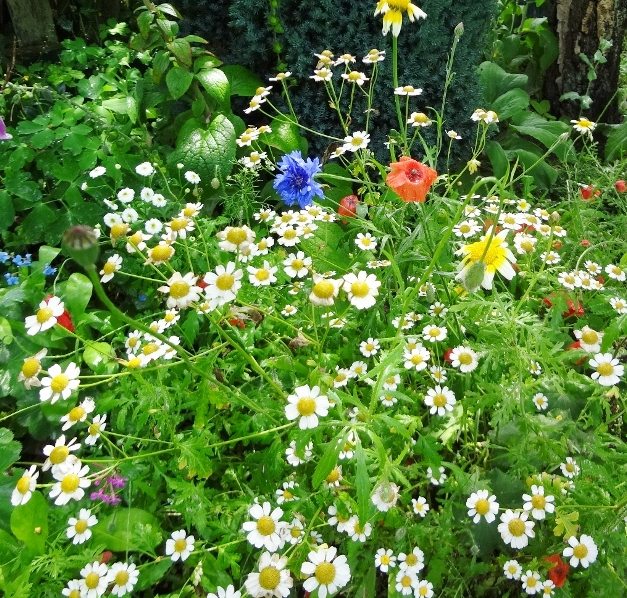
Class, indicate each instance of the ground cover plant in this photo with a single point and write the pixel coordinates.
(357, 379)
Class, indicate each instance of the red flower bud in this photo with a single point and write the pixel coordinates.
(589, 192)
(105, 557)
(585, 243)
(65, 320)
(573, 310)
(620, 186)
(348, 206)
(557, 245)
(447, 355)
(559, 571)
(237, 322)
(547, 302)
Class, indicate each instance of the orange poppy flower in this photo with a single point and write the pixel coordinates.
(410, 179)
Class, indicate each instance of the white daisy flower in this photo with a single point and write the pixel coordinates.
(124, 576)
(384, 559)
(366, 242)
(25, 487)
(46, 316)
(271, 579)
(369, 347)
(145, 169)
(515, 529)
(482, 504)
(179, 546)
(233, 238)
(420, 506)
(356, 531)
(537, 503)
(71, 480)
(265, 530)
(78, 414)
(306, 404)
(59, 384)
(326, 571)
(582, 551)
(541, 401)
(79, 527)
(512, 569)
(464, 358)
(297, 265)
(407, 90)
(413, 561)
(126, 195)
(98, 424)
(362, 289)
(385, 496)
(615, 272)
(324, 290)
(94, 580)
(619, 304)
(440, 400)
(59, 453)
(263, 276)
(570, 469)
(608, 369)
(589, 339)
(181, 290)
(110, 267)
(295, 457)
(531, 582)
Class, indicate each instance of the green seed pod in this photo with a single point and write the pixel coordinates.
(81, 244)
(474, 277)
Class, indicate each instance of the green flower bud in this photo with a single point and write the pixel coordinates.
(81, 244)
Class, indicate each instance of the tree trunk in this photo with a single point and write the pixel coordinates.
(33, 26)
(580, 26)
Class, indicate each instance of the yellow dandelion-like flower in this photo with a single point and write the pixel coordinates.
(392, 11)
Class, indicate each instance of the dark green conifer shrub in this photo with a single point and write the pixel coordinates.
(244, 32)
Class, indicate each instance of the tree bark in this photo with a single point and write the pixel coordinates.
(33, 26)
(580, 26)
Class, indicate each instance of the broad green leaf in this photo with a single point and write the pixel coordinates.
(9, 449)
(209, 152)
(284, 136)
(216, 85)
(42, 139)
(7, 211)
(545, 131)
(128, 530)
(183, 52)
(495, 81)
(6, 338)
(178, 81)
(616, 146)
(47, 254)
(510, 104)
(29, 522)
(328, 460)
(160, 64)
(76, 293)
(498, 158)
(98, 355)
(243, 82)
(566, 524)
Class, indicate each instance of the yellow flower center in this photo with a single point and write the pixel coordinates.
(149, 348)
(360, 289)
(605, 369)
(263, 244)
(439, 400)
(94, 429)
(590, 337)
(31, 367)
(570, 467)
(269, 578)
(411, 559)
(121, 578)
(296, 532)
(287, 495)
(133, 363)
(421, 117)
(423, 591)
(527, 246)
(23, 484)
(354, 76)
(225, 282)
(366, 242)
(297, 264)
(584, 123)
(44, 314)
(516, 527)
(494, 255)
(289, 234)
(70, 483)
(177, 224)
(385, 559)
(306, 406)
(180, 545)
(333, 477)
(266, 525)
(179, 289)
(109, 268)
(76, 414)
(135, 238)
(118, 230)
(59, 383)
(92, 580)
(406, 581)
(161, 253)
(262, 274)
(532, 582)
(80, 526)
(59, 454)
(580, 551)
(325, 573)
(482, 506)
(323, 289)
(538, 501)
(74, 594)
(465, 358)
(434, 332)
(189, 212)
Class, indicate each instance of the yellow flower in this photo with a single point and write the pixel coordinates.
(392, 11)
(492, 252)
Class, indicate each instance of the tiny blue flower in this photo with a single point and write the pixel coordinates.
(12, 279)
(49, 270)
(20, 261)
(295, 183)
(142, 297)
(4, 257)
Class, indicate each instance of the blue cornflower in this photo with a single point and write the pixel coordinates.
(12, 279)
(49, 270)
(20, 261)
(4, 257)
(295, 184)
